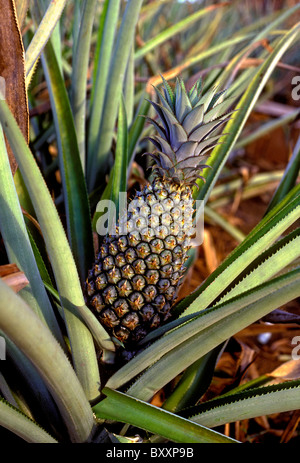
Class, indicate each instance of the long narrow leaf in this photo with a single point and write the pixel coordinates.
(289, 178)
(268, 264)
(24, 427)
(240, 258)
(118, 406)
(42, 35)
(18, 246)
(45, 353)
(29, 377)
(79, 75)
(234, 127)
(174, 30)
(193, 383)
(61, 257)
(137, 127)
(75, 194)
(106, 37)
(129, 88)
(98, 162)
(207, 339)
(204, 322)
(256, 402)
(268, 127)
(119, 183)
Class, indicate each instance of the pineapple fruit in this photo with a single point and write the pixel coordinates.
(137, 273)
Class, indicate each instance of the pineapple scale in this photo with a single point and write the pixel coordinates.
(136, 275)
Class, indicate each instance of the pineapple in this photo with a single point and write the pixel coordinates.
(135, 278)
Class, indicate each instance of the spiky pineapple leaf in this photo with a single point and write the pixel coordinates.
(120, 407)
(169, 95)
(163, 100)
(42, 349)
(17, 422)
(193, 119)
(202, 332)
(206, 339)
(205, 130)
(260, 401)
(244, 108)
(42, 35)
(218, 110)
(252, 247)
(195, 91)
(75, 193)
(182, 103)
(269, 263)
(60, 255)
(18, 247)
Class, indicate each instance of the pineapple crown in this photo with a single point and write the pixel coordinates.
(188, 122)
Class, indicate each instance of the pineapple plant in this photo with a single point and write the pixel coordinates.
(137, 273)
(52, 386)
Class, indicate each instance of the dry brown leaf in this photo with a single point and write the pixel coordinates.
(13, 277)
(289, 370)
(12, 70)
(211, 257)
(289, 431)
(21, 9)
(8, 269)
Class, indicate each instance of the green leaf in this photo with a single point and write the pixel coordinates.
(119, 173)
(193, 383)
(174, 30)
(118, 176)
(79, 75)
(45, 353)
(256, 242)
(42, 35)
(60, 255)
(267, 128)
(252, 403)
(88, 318)
(235, 125)
(176, 360)
(97, 160)
(216, 218)
(120, 407)
(266, 265)
(42, 403)
(14, 420)
(18, 247)
(75, 194)
(137, 127)
(194, 337)
(289, 178)
(105, 41)
(129, 88)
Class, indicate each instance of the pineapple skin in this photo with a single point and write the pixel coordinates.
(135, 278)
